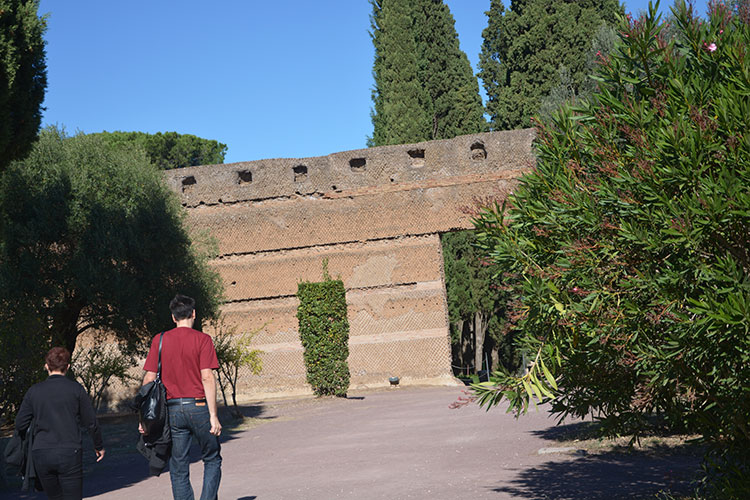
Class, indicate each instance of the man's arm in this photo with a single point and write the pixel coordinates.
(209, 387)
(148, 377)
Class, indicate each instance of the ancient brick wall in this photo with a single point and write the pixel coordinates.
(375, 215)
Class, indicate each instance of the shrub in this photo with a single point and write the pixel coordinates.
(630, 239)
(324, 332)
(96, 367)
(234, 353)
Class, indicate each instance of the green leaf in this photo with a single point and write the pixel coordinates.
(548, 375)
(528, 389)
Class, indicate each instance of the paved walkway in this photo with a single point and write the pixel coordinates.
(402, 443)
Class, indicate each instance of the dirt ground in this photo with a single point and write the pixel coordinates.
(402, 443)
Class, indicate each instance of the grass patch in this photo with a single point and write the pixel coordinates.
(586, 436)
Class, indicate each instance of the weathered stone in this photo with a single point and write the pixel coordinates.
(375, 215)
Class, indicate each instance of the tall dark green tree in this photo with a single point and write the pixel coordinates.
(399, 98)
(566, 91)
(23, 77)
(525, 49)
(424, 85)
(91, 239)
(458, 278)
(480, 331)
(172, 150)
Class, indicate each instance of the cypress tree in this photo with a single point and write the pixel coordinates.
(23, 77)
(527, 48)
(446, 73)
(399, 98)
(424, 85)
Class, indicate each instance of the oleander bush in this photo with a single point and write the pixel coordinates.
(324, 332)
(629, 242)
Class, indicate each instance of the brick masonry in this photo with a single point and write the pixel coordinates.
(376, 215)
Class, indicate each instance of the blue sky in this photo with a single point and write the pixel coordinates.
(288, 78)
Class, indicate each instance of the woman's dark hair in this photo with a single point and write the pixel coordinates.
(57, 359)
(182, 307)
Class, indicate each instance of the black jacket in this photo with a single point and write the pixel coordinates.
(157, 453)
(59, 407)
(18, 454)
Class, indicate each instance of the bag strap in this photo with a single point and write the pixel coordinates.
(158, 373)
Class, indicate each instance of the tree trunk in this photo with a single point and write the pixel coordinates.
(64, 331)
(480, 329)
(459, 361)
(495, 358)
(221, 386)
(236, 410)
(466, 346)
(233, 383)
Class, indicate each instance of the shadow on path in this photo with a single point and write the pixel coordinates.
(608, 476)
(123, 466)
(568, 432)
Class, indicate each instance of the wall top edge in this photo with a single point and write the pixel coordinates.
(489, 152)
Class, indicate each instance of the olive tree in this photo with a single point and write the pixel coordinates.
(92, 240)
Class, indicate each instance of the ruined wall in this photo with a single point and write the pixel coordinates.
(376, 215)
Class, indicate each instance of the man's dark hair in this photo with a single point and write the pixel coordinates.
(182, 307)
(57, 359)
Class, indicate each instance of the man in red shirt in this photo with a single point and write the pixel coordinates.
(188, 359)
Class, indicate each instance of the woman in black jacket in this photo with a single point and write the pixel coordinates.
(59, 407)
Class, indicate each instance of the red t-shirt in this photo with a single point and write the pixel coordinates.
(184, 353)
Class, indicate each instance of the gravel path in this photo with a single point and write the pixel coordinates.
(403, 443)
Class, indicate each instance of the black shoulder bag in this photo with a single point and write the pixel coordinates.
(151, 402)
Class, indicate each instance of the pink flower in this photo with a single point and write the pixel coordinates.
(711, 47)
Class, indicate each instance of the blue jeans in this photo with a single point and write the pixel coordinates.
(186, 420)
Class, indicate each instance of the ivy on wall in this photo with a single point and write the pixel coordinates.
(324, 332)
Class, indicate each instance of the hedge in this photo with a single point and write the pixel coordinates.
(324, 332)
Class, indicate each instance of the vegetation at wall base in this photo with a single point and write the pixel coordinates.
(477, 304)
(630, 243)
(324, 332)
(234, 354)
(23, 77)
(21, 358)
(97, 366)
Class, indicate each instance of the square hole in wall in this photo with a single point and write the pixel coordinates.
(417, 157)
(244, 177)
(358, 164)
(300, 173)
(478, 153)
(188, 183)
